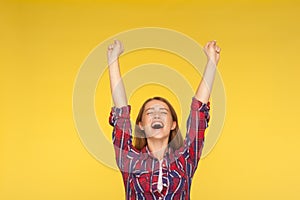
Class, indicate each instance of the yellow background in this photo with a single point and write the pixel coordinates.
(43, 45)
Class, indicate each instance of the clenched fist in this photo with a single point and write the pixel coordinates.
(212, 51)
(114, 51)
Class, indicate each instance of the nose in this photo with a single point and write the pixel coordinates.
(156, 115)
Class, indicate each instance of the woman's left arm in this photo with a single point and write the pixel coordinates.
(212, 51)
(199, 115)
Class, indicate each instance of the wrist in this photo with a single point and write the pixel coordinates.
(211, 64)
(113, 61)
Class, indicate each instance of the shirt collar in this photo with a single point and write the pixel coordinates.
(146, 153)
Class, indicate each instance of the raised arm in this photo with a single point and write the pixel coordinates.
(212, 51)
(199, 115)
(120, 114)
(116, 83)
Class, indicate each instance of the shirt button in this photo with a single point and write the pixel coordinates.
(160, 198)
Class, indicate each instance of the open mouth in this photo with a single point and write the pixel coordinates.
(157, 125)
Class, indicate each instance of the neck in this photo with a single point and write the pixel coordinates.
(157, 147)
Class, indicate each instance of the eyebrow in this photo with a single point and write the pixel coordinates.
(159, 109)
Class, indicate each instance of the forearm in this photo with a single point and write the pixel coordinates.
(117, 85)
(205, 87)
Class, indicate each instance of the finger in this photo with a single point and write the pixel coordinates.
(213, 43)
(206, 46)
(118, 42)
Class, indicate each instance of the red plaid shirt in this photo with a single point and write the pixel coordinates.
(140, 170)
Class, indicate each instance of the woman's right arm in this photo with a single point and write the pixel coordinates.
(120, 114)
(116, 83)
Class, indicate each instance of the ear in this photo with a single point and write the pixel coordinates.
(174, 124)
(141, 126)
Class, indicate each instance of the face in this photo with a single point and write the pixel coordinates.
(157, 120)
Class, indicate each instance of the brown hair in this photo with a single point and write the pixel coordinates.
(175, 137)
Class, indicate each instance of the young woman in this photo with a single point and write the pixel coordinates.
(160, 165)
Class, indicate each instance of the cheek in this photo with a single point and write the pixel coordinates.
(169, 119)
(145, 120)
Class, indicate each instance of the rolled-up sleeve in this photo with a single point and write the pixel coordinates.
(119, 113)
(196, 124)
(201, 109)
(122, 133)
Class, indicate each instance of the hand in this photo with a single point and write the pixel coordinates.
(114, 51)
(212, 51)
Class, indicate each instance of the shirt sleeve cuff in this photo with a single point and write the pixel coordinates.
(117, 113)
(198, 105)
